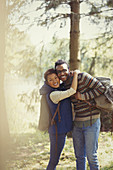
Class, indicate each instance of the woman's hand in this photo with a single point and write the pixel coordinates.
(75, 79)
(76, 71)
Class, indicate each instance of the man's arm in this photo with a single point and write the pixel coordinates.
(95, 88)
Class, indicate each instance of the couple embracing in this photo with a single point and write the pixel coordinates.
(76, 89)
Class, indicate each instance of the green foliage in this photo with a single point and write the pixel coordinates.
(110, 3)
(21, 120)
(23, 59)
(101, 13)
(29, 63)
(21, 56)
(96, 56)
(58, 49)
(16, 11)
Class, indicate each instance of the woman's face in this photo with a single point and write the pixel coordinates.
(53, 80)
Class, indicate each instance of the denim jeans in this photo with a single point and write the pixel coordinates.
(55, 152)
(85, 141)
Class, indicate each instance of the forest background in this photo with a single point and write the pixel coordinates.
(37, 33)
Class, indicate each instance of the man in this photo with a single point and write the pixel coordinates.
(87, 119)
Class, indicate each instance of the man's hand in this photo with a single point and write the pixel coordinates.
(78, 96)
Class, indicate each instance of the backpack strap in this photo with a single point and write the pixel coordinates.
(57, 111)
(54, 122)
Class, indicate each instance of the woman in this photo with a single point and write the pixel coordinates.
(54, 95)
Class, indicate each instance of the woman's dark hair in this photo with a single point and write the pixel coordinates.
(48, 72)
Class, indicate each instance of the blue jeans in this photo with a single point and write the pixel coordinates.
(55, 152)
(85, 141)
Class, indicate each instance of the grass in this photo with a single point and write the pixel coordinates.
(31, 151)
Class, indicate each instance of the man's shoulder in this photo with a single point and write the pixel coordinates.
(83, 74)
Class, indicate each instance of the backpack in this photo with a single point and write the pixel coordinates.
(105, 103)
(45, 115)
(46, 119)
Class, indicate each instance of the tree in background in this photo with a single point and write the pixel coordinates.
(4, 131)
(46, 12)
(98, 12)
(74, 15)
(17, 12)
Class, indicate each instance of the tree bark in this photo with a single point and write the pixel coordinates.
(74, 35)
(4, 131)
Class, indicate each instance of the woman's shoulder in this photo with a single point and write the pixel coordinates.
(45, 89)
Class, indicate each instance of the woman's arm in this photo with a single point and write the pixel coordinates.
(75, 79)
(57, 96)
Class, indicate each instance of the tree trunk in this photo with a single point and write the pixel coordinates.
(74, 35)
(4, 131)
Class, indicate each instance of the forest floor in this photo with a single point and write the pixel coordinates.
(31, 152)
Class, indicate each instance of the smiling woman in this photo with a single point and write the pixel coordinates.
(63, 119)
(52, 78)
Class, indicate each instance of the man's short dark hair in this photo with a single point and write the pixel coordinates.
(60, 62)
